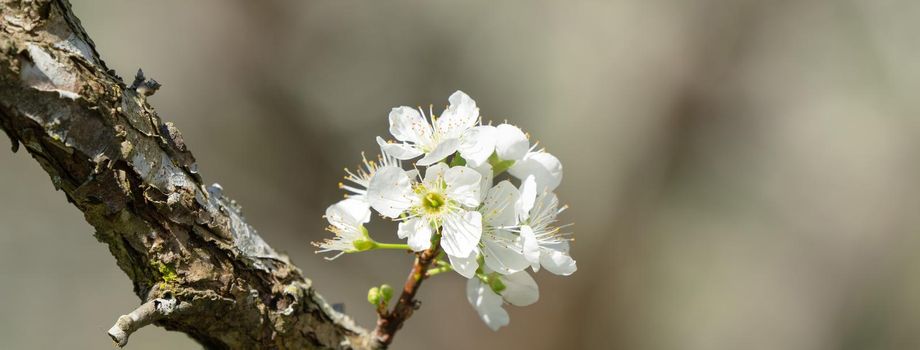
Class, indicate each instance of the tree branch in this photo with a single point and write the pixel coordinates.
(184, 245)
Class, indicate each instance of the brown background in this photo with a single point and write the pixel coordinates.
(742, 174)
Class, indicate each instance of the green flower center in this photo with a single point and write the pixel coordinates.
(433, 201)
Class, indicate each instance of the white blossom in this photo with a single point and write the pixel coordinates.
(444, 199)
(454, 131)
(358, 180)
(346, 221)
(544, 245)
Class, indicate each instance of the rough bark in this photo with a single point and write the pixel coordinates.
(197, 266)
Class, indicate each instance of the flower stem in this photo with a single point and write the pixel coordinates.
(378, 245)
(437, 270)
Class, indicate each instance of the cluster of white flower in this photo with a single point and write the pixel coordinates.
(490, 232)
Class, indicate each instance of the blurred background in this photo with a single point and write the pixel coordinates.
(741, 174)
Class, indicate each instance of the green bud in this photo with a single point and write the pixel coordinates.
(386, 293)
(373, 296)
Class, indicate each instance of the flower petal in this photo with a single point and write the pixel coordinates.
(461, 233)
(520, 289)
(498, 209)
(413, 175)
(477, 144)
(545, 167)
(487, 304)
(527, 199)
(503, 253)
(419, 232)
(407, 124)
(434, 175)
(445, 148)
(463, 185)
(401, 151)
(348, 213)
(467, 266)
(557, 262)
(389, 191)
(512, 143)
(531, 247)
(458, 117)
(486, 182)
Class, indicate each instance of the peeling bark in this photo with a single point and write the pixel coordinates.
(197, 266)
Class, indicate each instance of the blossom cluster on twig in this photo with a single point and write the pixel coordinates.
(481, 195)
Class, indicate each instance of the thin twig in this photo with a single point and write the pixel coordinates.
(389, 322)
(143, 315)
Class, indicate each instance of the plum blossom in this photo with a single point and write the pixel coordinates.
(346, 221)
(544, 245)
(358, 180)
(454, 131)
(445, 199)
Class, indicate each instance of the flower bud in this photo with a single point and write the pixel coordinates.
(373, 296)
(386, 293)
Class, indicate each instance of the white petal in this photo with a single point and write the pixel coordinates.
(412, 174)
(498, 209)
(434, 175)
(467, 266)
(512, 143)
(419, 232)
(558, 262)
(545, 167)
(531, 247)
(527, 199)
(486, 182)
(461, 232)
(487, 304)
(520, 289)
(560, 245)
(399, 151)
(504, 255)
(348, 213)
(407, 124)
(389, 191)
(458, 117)
(473, 291)
(441, 151)
(477, 144)
(463, 185)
